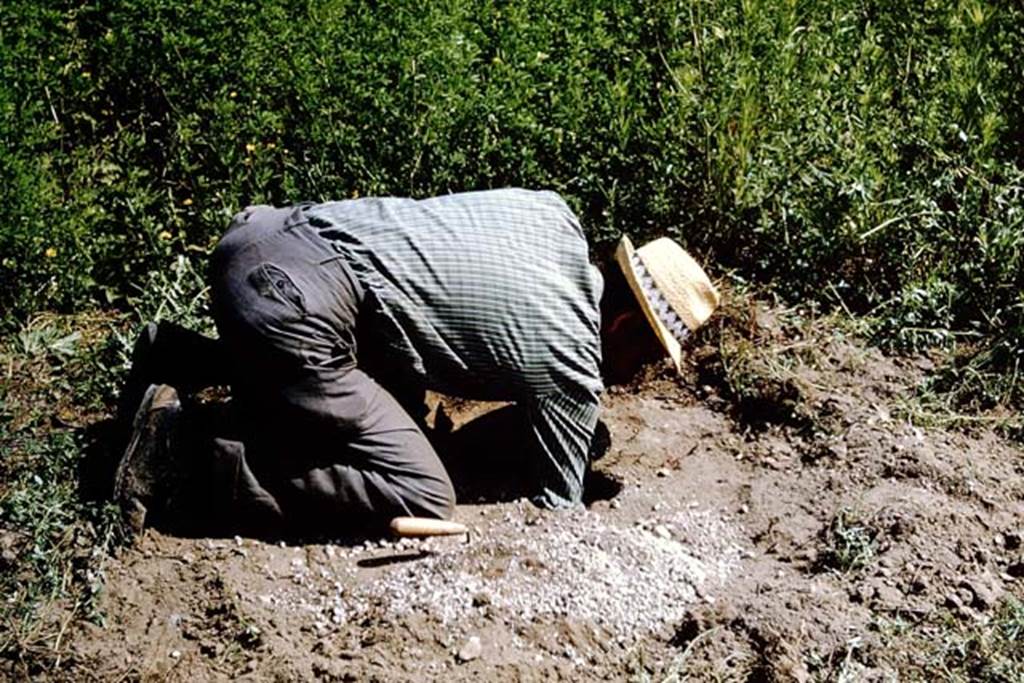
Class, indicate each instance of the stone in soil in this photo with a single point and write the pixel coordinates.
(470, 650)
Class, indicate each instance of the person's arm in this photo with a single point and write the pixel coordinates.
(561, 432)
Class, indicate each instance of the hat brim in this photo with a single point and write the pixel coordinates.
(624, 257)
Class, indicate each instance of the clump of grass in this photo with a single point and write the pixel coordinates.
(56, 544)
(764, 389)
(53, 534)
(970, 390)
(992, 650)
(988, 650)
(848, 542)
(178, 293)
(764, 359)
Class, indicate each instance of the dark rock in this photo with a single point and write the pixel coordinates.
(918, 585)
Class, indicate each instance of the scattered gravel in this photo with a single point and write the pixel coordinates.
(576, 565)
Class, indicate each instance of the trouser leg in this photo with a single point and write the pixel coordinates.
(166, 353)
(220, 494)
(410, 392)
(385, 467)
(298, 479)
(172, 354)
(240, 503)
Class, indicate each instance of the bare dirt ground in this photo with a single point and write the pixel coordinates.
(773, 515)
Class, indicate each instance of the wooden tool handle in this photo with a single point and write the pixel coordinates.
(425, 526)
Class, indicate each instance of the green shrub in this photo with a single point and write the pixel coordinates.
(853, 152)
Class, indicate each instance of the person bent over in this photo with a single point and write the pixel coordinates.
(334, 319)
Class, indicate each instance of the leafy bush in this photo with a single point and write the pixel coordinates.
(861, 153)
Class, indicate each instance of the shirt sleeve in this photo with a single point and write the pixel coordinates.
(561, 431)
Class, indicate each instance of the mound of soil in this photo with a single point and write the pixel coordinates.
(770, 517)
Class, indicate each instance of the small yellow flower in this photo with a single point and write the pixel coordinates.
(86, 74)
(249, 147)
(271, 145)
(232, 94)
(165, 235)
(50, 252)
(187, 201)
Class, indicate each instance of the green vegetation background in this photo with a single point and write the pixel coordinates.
(861, 153)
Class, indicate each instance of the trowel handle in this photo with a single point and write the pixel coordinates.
(425, 526)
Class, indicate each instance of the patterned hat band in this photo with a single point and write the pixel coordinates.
(669, 318)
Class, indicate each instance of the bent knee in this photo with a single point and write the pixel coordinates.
(435, 498)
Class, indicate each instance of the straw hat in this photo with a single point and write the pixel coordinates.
(674, 292)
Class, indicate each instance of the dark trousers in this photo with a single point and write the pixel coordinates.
(312, 443)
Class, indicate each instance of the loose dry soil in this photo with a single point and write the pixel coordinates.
(771, 516)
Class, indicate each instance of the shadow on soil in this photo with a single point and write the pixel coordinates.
(488, 463)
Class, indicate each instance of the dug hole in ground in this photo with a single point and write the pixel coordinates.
(772, 515)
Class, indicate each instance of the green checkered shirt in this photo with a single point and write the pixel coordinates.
(486, 295)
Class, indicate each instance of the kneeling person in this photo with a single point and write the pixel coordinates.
(335, 318)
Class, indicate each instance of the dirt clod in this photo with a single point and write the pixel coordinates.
(888, 597)
(470, 650)
(984, 590)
